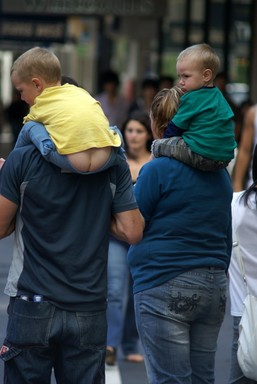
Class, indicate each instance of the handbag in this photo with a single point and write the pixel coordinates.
(247, 341)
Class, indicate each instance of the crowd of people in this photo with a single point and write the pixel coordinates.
(122, 215)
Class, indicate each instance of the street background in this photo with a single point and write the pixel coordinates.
(126, 373)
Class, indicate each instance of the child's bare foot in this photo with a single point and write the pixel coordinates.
(134, 358)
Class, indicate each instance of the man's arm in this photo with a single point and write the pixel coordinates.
(244, 151)
(128, 226)
(8, 211)
(1, 162)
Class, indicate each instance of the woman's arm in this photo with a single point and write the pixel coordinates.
(128, 226)
(244, 151)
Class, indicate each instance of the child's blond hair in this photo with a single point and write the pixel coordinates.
(164, 107)
(203, 54)
(38, 62)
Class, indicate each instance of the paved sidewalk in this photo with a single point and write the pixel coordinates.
(113, 375)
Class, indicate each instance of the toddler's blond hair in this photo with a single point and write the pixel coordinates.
(38, 62)
(204, 55)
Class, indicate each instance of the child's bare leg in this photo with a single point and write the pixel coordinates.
(177, 148)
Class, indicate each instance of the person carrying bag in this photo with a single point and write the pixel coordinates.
(242, 283)
(247, 341)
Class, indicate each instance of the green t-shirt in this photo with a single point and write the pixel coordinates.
(206, 118)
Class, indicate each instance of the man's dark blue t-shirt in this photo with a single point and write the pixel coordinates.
(62, 228)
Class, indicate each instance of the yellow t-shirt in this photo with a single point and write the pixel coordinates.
(74, 120)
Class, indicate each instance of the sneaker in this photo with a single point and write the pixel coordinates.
(110, 358)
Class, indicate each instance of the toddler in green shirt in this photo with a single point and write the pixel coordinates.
(201, 133)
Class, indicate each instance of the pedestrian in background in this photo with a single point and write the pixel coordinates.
(148, 89)
(14, 114)
(114, 104)
(242, 172)
(221, 81)
(166, 81)
(122, 332)
(244, 218)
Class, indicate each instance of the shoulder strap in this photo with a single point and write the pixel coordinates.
(238, 254)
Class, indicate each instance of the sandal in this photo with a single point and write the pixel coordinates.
(110, 357)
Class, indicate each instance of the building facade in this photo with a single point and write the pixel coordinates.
(136, 38)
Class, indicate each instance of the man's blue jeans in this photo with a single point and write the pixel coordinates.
(41, 336)
(179, 323)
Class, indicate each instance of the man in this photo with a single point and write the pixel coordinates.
(113, 103)
(57, 280)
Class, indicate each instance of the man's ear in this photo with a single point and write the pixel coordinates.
(207, 75)
(38, 84)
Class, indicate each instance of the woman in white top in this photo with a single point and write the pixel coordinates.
(244, 218)
(241, 176)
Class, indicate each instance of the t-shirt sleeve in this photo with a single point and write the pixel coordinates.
(186, 111)
(124, 198)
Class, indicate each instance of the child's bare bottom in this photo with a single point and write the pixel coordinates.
(91, 159)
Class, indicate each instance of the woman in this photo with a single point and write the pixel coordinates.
(179, 267)
(120, 312)
(242, 170)
(244, 216)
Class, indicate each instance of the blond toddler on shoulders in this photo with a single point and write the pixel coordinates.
(65, 122)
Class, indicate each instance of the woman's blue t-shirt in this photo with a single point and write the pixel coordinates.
(188, 221)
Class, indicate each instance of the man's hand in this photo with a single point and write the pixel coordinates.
(1, 162)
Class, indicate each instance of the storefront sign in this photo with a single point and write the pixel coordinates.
(32, 30)
(86, 7)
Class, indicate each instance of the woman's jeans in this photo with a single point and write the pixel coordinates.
(236, 375)
(120, 309)
(41, 336)
(178, 324)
